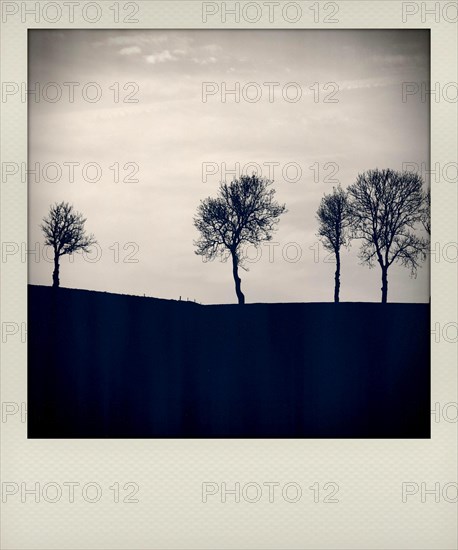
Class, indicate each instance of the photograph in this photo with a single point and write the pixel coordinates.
(230, 232)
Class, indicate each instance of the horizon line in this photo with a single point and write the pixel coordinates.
(188, 301)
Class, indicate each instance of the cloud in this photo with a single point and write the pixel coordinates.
(212, 48)
(366, 83)
(399, 60)
(204, 60)
(160, 57)
(132, 40)
(130, 50)
(164, 47)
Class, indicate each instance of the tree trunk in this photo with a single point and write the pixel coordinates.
(384, 284)
(337, 278)
(55, 275)
(237, 280)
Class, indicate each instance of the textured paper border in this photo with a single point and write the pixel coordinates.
(171, 513)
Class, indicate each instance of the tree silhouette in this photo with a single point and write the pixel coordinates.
(386, 209)
(63, 229)
(426, 213)
(244, 212)
(334, 218)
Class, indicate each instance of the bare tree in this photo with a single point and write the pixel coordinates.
(386, 210)
(334, 218)
(426, 213)
(244, 212)
(63, 229)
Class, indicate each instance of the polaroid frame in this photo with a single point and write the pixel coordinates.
(144, 494)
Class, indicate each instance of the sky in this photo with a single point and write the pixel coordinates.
(152, 129)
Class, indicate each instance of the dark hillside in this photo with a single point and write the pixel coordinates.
(106, 365)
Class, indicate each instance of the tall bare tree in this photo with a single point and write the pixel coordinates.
(244, 212)
(386, 213)
(426, 214)
(334, 218)
(63, 229)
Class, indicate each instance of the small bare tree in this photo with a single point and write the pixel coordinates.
(244, 212)
(334, 219)
(386, 211)
(63, 229)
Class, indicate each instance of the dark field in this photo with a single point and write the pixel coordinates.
(117, 366)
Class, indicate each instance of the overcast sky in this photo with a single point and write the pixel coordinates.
(170, 132)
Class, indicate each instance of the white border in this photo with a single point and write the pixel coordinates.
(171, 514)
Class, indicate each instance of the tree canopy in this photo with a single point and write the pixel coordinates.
(244, 212)
(386, 209)
(333, 216)
(63, 229)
